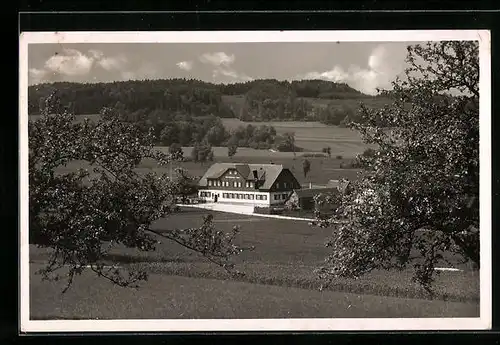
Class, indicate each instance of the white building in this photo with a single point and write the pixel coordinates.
(240, 183)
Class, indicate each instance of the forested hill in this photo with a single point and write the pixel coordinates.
(258, 100)
(301, 88)
(192, 97)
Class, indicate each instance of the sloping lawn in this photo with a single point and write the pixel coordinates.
(170, 297)
(286, 254)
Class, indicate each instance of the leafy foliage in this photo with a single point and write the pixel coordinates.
(202, 152)
(286, 143)
(256, 137)
(175, 151)
(306, 167)
(327, 150)
(82, 214)
(419, 201)
(232, 148)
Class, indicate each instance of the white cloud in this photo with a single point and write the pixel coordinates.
(337, 74)
(230, 74)
(185, 65)
(96, 54)
(383, 66)
(217, 59)
(70, 62)
(112, 63)
(73, 63)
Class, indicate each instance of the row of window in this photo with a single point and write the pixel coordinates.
(235, 196)
(280, 196)
(236, 184)
(244, 196)
(285, 185)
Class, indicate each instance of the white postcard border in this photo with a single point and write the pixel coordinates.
(319, 324)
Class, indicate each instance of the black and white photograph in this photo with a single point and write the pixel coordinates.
(255, 181)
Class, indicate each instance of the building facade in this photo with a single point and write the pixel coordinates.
(260, 185)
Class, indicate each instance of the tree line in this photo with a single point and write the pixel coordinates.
(264, 100)
(193, 97)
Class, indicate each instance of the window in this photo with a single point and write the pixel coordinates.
(210, 182)
(284, 196)
(251, 184)
(252, 196)
(284, 185)
(235, 184)
(246, 184)
(265, 197)
(277, 184)
(232, 195)
(276, 196)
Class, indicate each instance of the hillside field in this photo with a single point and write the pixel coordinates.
(282, 263)
(314, 136)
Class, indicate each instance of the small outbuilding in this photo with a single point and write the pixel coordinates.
(304, 198)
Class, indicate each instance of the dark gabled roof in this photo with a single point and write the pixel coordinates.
(244, 170)
(311, 192)
(266, 172)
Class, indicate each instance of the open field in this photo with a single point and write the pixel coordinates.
(172, 297)
(286, 254)
(313, 136)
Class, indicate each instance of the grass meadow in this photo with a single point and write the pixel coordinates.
(278, 272)
(176, 297)
(314, 136)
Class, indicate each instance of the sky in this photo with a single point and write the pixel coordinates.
(363, 66)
